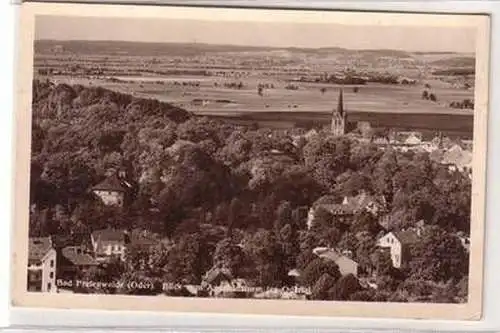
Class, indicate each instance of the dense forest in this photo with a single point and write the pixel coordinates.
(235, 197)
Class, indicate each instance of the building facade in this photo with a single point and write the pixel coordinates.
(108, 243)
(114, 190)
(73, 261)
(399, 244)
(41, 265)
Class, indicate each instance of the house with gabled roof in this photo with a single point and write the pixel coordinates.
(217, 276)
(350, 205)
(346, 265)
(114, 190)
(108, 243)
(41, 265)
(74, 260)
(399, 244)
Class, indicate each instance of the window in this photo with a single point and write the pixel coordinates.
(52, 263)
(49, 286)
(51, 275)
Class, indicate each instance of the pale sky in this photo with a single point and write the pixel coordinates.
(423, 38)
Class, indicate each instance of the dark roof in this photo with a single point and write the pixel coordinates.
(77, 256)
(143, 238)
(336, 257)
(407, 236)
(337, 209)
(362, 201)
(60, 241)
(216, 272)
(112, 183)
(353, 204)
(108, 235)
(38, 248)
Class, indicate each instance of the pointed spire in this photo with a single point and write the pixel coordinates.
(340, 105)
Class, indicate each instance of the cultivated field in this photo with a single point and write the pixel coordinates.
(224, 82)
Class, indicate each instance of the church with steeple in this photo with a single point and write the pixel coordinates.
(339, 117)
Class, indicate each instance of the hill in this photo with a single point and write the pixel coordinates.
(187, 49)
(461, 62)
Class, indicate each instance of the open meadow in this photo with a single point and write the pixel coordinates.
(279, 87)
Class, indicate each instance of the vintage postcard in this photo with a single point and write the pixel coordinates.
(230, 160)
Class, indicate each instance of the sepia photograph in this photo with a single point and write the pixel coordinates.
(223, 160)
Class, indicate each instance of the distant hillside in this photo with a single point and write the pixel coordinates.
(457, 62)
(387, 53)
(135, 48)
(184, 49)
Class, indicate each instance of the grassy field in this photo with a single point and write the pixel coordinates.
(148, 71)
(381, 105)
(218, 100)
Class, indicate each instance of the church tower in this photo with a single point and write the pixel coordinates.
(339, 117)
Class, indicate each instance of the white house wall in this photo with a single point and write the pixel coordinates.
(110, 198)
(390, 241)
(49, 263)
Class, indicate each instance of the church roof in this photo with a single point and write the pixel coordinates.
(340, 105)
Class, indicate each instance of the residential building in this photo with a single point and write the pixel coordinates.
(115, 190)
(457, 158)
(41, 265)
(346, 265)
(350, 205)
(412, 140)
(73, 261)
(464, 239)
(217, 276)
(294, 273)
(141, 238)
(399, 243)
(108, 243)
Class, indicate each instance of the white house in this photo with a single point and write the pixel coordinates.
(108, 243)
(41, 265)
(413, 139)
(399, 243)
(113, 190)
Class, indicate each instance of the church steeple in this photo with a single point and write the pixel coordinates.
(339, 117)
(340, 104)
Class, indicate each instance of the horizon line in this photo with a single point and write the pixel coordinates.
(250, 46)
